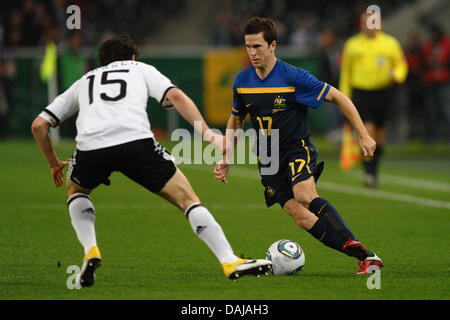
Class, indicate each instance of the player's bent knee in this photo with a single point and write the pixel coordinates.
(72, 188)
(178, 191)
(304, 193)
(304, 197)
(76, 195)
(302, 217)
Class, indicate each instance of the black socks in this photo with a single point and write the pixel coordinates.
(330, 228)
(371, 164)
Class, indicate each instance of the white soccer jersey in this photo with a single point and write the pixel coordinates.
(111, 102)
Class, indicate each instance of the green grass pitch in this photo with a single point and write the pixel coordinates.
(150, 252)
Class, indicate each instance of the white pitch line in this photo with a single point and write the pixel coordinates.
(415, 183)
(409, 182)
(383, 195)
(342, 188)
(161, 204)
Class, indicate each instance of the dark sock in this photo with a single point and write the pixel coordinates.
(325, 234)
(325, 211)
(376, 159)
(371, 164)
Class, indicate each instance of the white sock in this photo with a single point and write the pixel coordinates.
(82, 213)
(209, 231)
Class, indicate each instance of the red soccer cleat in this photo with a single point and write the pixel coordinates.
(370, 265)
(354, 248)
(368, 261)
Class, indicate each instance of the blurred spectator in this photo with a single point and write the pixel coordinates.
(7, 73)
(329, 58)
(14, 29)
(72, 66)
(222, 31)
(305, 37)
(72, 63)
(436, 76)
(31, 29)
(24, 22)
(329, 73)
(414, 85)
(283, 36)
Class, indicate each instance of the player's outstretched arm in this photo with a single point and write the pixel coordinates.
(189, 111)
(347, 107)
(221, 170)
(39, 127)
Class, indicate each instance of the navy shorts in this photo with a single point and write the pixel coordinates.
(297, 163)
(143, 161)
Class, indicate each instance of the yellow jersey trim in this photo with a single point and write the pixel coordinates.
(307, 152)
(266, 90)
(321, 92)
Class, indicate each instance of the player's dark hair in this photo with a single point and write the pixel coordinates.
(117, 49)
(267, 26)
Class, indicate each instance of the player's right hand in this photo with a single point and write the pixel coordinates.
(57, 173)
(221, 171)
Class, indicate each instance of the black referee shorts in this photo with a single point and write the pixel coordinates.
(143, 161)
(374, 105)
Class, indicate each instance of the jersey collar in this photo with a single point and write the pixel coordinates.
(270, 73)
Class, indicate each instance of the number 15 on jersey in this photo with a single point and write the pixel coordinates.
(105, 80)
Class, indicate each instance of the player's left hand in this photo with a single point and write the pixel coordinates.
(367, 145)
(57, 173)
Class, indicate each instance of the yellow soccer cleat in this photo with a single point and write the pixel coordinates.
(91, 262)
(243, 267)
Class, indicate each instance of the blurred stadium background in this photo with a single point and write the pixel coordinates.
(198, 44)
(186, 39)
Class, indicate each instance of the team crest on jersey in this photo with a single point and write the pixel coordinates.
(270, 191)
(381, 61)
(279, 104)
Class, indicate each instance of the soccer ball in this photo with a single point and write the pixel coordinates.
(287, 257)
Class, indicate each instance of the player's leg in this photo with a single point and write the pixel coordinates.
(369, 105)
(82, 214)
(301, 200)
(330, 228)
(380, 136)
(304, 218)
(311, 223)
(376, 117)
(302, 173)
(306, 194)
(150, 165)
(179, 192)
(369, 164)
(87, 169)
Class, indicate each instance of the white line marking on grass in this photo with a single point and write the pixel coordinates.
(162, 205)
(409, 182)
(415, 183)
(342, 188)
(335, 187)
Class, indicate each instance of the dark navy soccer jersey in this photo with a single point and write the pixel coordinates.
(279, 101)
